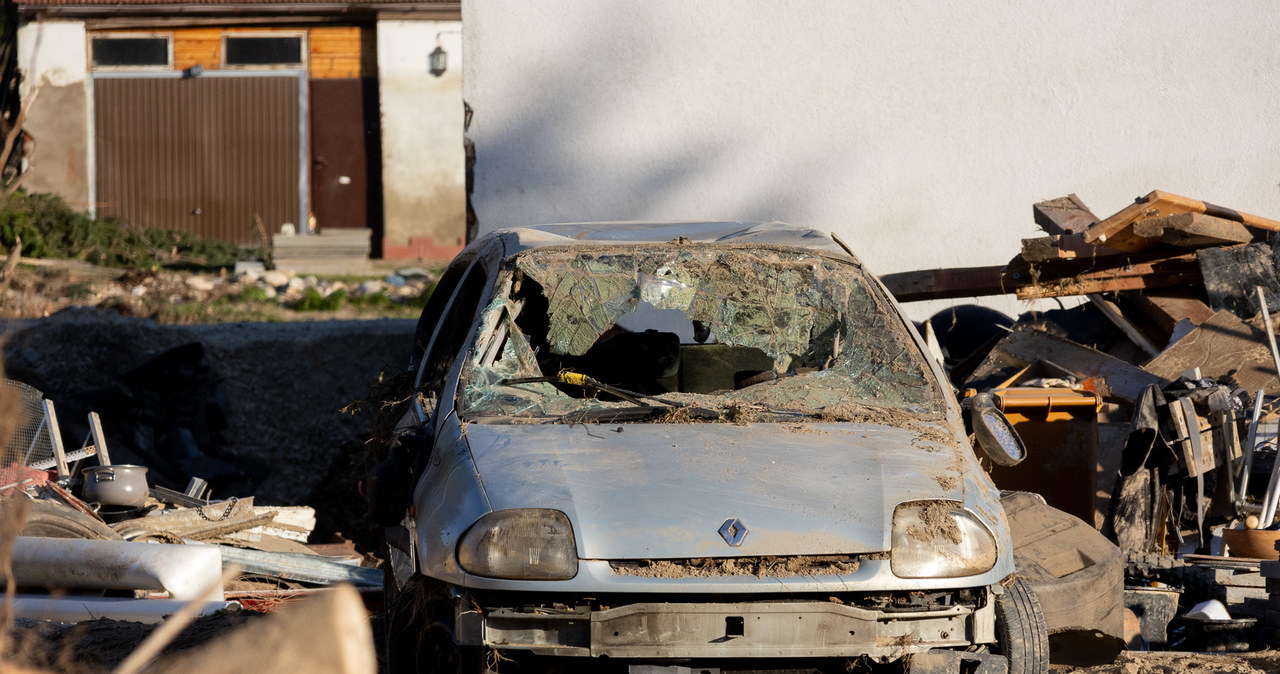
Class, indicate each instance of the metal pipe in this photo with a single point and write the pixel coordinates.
(79, 609)
(1242, 494)
(184, 571)
(296, 566)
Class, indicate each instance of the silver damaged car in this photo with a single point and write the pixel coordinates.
(690, 447)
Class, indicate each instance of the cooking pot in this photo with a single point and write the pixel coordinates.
(116, 485)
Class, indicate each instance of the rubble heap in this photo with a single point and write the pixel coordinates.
(1151, 410)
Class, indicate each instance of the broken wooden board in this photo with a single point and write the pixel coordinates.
(1117, 230)
(941, 284)
(1064, 215)
(1166, 308)
(1221, 346)
(1060, 247)
(1232, 274)
(1054, 278)
(1193, 230)
(1183, 443)
(1170, 272)
(1025, 347)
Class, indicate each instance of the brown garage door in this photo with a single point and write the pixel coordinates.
(202, 155)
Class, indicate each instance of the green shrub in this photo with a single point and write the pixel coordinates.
(312, 300)
(50, 228)
(374, 300)
(253, 294)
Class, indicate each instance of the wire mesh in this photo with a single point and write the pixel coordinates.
(30, 442)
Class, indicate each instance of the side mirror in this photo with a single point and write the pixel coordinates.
(995, 434)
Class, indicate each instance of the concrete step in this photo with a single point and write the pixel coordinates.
(341, 241)
(326, 265)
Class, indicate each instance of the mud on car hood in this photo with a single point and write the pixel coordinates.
(663, 491)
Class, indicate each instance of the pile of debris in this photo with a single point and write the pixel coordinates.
(1152, 410)
(86, 541)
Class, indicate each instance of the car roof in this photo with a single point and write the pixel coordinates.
(518, 239)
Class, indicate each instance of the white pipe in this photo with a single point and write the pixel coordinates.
(78, 609)
(1271, 333)
(1248, 447)
(184, 571)
(1269, 501)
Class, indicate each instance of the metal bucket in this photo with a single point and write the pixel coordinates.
(1218, 636)
(121, 485)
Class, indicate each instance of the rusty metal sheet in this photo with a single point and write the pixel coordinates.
(201, 155)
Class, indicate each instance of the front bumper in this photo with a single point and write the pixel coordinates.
(752, 629)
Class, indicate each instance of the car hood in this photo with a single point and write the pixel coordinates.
(663, 491)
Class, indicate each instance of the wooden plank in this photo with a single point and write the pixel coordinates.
(55, 438)
(1117, 230)
(1118, 319)
(1193, 230)
(1058, 278)
(936, 284)
(1064, 215)
(99, 440)
(1232, 274)
(1223, 346)
(1184, 427)
(1170, 272)
(1167, 307)
(1060, 247)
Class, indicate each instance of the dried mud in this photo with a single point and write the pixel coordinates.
(937, 521)
(1173, 663)
(760, 567)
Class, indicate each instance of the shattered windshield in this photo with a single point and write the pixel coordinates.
(726, 329)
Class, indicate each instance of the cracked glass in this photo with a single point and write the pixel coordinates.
(741, 332)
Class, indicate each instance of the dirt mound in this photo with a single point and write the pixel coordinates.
(260, 402)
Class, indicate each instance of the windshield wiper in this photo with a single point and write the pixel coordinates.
(575, 379)
(642, 409)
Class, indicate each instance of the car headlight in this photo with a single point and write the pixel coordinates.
(522, 544)
(939, 539)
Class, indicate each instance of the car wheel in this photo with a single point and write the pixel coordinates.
(419, 631)
(53, 520)
(1020, 629)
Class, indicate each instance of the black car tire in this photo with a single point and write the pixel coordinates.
(53, 520)
(418, 634)
(1020, 629)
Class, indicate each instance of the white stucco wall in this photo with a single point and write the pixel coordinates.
(423, 170)
(53, 60)
(920, 131)
(52, 53)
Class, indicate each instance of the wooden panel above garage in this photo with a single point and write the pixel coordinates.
(197, 46)
(343, 52)
(333, 52)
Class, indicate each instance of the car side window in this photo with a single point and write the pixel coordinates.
(430, 317)
(455, 326)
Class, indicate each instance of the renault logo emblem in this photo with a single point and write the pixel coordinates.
(733, 531)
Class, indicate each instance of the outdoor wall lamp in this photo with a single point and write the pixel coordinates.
(437, 61)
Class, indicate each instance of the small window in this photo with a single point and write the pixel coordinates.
(114, 52)
(264, 51)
